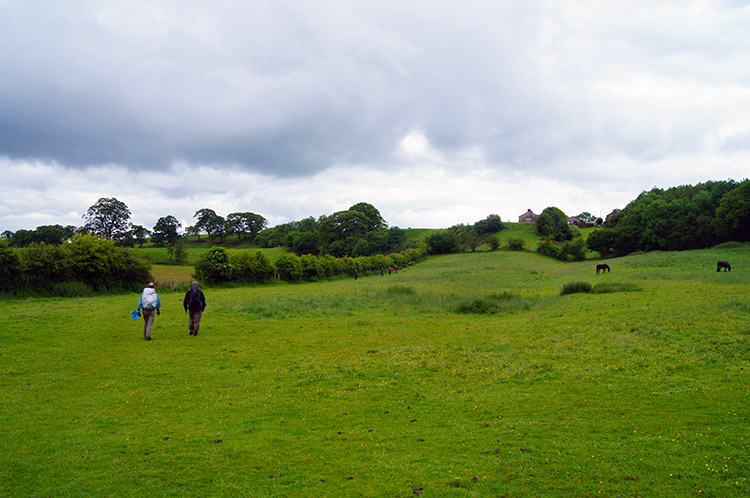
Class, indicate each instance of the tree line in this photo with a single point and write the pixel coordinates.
(678, 218)
(109, 218)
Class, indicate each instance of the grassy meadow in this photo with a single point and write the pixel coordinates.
(380, 387)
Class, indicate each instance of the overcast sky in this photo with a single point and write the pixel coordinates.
(436, 112)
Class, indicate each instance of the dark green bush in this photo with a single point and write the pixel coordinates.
(442, 242)
(251, 267)
(45, 265)
(289, 267)
(516, 244)
(310, 267)
(573, 250)
(10, 268)
(103, 265)
(214, 266)
(576, 287)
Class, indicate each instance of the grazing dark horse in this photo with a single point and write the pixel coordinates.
(723, 264)
(603, 267)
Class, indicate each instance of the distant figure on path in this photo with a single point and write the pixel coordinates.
(723, 264)
(390, 269)
(356, 274)
(195, 304)
(382, 271)
(149, 304)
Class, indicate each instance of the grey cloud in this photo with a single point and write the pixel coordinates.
(291, 88)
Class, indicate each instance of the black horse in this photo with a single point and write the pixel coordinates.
(603, 267)
(723, 264)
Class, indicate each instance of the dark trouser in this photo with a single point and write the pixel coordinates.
(194, 323)
(148, 322)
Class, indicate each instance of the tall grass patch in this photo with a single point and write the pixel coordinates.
(494, 304)
(576, 288)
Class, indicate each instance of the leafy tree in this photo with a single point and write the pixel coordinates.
(602, 241)
(553, 223)
(165, 231)
(361, 248)
(213, 266)
(442, 242)
(215, 227)
(108, 218)
(177, 250)
(304, 242)
(50, 234)
(491, 224)
(340, 232)
(733, 214)
(193, 230)
(374, 220)
(396, 241)
(245, 224)
(7, 235)
(139, 234)
(587, 217)
(203, 217)
(22, 238)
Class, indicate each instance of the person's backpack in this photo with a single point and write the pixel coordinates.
(194, 301)
(148, 301)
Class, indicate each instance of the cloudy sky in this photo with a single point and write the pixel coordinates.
(437, 112)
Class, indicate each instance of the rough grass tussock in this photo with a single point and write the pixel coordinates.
(576, 288)
(493, 304)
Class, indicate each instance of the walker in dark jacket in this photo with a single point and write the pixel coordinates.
(195, 304)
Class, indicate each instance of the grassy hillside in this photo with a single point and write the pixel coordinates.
(378, 387)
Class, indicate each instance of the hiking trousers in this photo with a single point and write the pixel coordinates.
(148, 322)
(194, 322)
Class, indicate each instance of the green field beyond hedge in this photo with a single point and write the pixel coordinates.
(379, 387)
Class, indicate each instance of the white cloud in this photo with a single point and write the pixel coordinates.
(437, 113)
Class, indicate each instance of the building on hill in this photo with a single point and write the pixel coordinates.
(574, 220)
(528, 217)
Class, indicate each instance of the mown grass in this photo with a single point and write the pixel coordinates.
(378, 387)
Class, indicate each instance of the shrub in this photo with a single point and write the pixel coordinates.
(213, 266)
(10, 268)
(547, 247)
(576, 287)
(442, 242)
(310, 267)
(44, 265)
(289, 267)
(572, 251)
(103, 265)
(493, 242)
(516, 244)
(251, 267)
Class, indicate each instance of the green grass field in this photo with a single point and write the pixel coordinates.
(378, 387)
